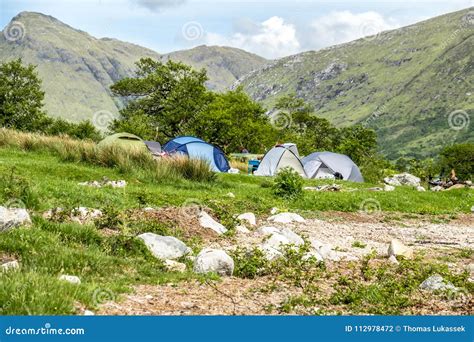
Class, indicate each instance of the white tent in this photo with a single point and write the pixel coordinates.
(279, 157)
(327, 164)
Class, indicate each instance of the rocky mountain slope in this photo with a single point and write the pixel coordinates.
(412, 85)
(78, 69)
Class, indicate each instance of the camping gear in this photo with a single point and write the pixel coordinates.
(154, 147)
(329, 164)
(124, 140)
(279, 157)
(196, 148)
(253, 165)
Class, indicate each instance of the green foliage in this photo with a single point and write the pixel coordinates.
(459, 157)
(166, 96)
(358, 142)
(288, 184)
(234, 121)
(250, 263)
(17, 191)
(21, 97)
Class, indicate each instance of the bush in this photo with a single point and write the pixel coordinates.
(250, 263)
(288, 184)
(17, 191)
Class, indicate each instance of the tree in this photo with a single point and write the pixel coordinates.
(233, 121)
(459, 157)
(165, 97)
(21, 97)
(358, 142)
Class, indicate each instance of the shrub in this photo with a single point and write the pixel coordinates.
(288, 184)
(17, 191)
(250, 263)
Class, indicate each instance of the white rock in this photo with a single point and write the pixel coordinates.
(88, 313)
(274, 210)
(117, 184)
(420, 188)
(10, 265)
(292, 236)
(13, 217)
(277, 241)
(270, 252)
(70, 279)
(402, 179)
(214, 260)
(286, 218)
(164, 247)
(437, 283)
(316, 244)
(174, 266)
(470, 268)
(397, 248)
(233, 171)
(388, 187)
(327, 253)
(313, 254)
(267, 230)
(230, 195)
(393, 259)
(83, 214)
(149, 209)
(242, 230)
(437, 188)
(207, 221)
(248, 217)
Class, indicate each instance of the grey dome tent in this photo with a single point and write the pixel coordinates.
(327, 164)
(279, 157)
(154, 147)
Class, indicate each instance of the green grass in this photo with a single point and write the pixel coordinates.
(111, 264)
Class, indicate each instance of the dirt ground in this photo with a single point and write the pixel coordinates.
(235, 296)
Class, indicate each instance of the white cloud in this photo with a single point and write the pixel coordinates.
(271, 38)
(344, 26)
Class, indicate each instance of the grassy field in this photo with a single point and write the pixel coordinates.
(109, 264)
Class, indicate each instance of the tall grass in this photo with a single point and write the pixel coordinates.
(127, 160)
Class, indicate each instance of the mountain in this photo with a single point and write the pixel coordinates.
(78, 69)
(403, 83)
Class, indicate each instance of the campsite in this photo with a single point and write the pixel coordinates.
(150, 184)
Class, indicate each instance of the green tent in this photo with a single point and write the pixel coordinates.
(124, 140)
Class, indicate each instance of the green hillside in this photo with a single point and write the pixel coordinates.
(78, 69)
(403, 83)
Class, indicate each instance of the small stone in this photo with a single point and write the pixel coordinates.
(248, 217)
(397, 248)
(214, 260)
(10, 265)
(13, 217)
(420, 188)
(88, 313)
(206, 221)
(437, 283)
(164, 247)
(117, 184)
(274, 210)
(437, 188)
(242, 230)
(388, 187)
(470, 268)
(174, 266)
(70, 279)
(230, 195)
(286, 218)
(393, 259)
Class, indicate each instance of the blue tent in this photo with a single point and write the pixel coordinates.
(197, 148)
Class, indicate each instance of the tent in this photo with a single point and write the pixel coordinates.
(154, 147)
(327, 164)
(124, 140)
(197, 148)
(279, 157)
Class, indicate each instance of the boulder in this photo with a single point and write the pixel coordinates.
(10, 265)
(286, 218)
(248, 217)
(206, 221)
(82, 214)
(456, 186)
(292, 236)
(214, 260)
(174, 266)
(88, 313)
(267, 230)
(13, 217)
(397, 248)
(277, 241)
(388, 187)
(437, 188)
(437, 283)
(70, 279)
(270, 252)
(164, 247)
(393, 259)
(402, 179)
(420, 188)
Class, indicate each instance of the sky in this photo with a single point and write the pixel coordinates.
(270, 28)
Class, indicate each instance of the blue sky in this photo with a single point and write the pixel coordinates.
(266, 27)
